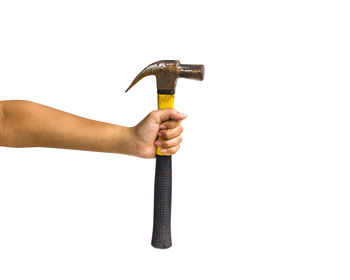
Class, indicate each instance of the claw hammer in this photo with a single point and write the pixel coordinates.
(167, 72)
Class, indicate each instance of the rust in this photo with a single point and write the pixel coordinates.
(168, 71)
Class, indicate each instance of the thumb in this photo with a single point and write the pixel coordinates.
(167, 114)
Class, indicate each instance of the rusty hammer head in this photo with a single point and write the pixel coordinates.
(167, 72)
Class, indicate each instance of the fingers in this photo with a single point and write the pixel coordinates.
(169, 143)
(167, 114)
(169, 121)
(169, 147)
(170, 151)
(170, 124)
(171, 133)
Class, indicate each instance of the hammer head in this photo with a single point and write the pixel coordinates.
(167, 72)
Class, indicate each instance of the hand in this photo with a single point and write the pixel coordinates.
(165, 123)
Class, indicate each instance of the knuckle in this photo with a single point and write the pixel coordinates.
(171, 143)
(165, 144)
(166, 134)
(177, 132)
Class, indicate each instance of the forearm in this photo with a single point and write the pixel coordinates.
(28, 124)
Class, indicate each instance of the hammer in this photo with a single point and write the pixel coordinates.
(166, 72)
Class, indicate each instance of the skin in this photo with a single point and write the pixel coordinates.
(29, 124)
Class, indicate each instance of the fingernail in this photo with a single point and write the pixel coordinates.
(163, 151)
(159, 143)
(162, 126)
(159, 134)
(183, 115)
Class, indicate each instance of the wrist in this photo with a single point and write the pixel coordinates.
(131, 143)
(125, 141)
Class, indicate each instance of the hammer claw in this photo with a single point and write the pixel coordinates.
(151, 69)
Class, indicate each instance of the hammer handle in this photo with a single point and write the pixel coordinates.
(161, 237)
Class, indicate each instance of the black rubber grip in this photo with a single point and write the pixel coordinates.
(161, 237)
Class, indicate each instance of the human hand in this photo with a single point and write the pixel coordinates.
(165, 123)
(29, 124)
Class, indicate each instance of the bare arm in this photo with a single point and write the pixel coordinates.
(28, 124)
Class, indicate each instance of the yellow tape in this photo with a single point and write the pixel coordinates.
(165, 101)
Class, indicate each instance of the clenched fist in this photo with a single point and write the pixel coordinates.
(164, 123)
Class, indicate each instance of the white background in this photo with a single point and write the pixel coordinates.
(261, 183)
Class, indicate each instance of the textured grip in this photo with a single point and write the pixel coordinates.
(161, 237)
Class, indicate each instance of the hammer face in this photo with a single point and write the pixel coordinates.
(192, 71)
